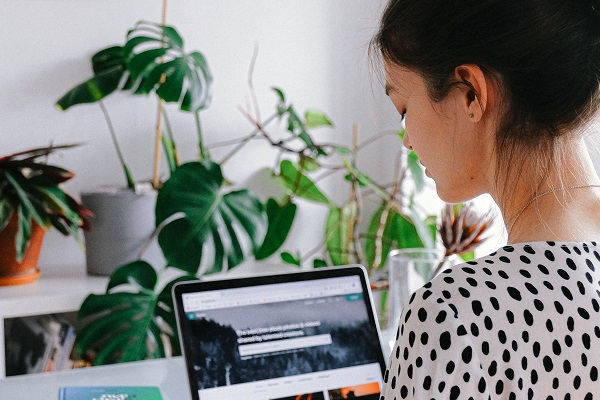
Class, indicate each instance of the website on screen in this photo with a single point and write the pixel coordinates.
(310, 339)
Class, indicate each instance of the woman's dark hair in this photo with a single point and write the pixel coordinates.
(544, 56)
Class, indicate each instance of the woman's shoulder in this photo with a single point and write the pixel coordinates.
(524, 272)
(522, 257)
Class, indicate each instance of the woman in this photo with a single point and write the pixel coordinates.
(496, 97)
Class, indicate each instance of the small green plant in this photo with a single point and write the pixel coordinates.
(30, 189)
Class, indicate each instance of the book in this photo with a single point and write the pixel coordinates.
(28, 346)
(109, 393)
(63, 339)
(40, 343)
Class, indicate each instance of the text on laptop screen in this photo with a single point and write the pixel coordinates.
(284, 340)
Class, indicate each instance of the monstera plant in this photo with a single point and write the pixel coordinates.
(152, 61)
(196, 212)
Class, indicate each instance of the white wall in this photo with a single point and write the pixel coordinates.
(315, 50)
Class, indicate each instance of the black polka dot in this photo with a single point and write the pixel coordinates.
(427, 382)
(485, 348)
(510, 317)
(556, 349)
(525, 273)
(528, 317)
(477, 307)
(583, 313)
(467, 354)
(566, 366)
(563, 274)
(445, 340)
(532, 289)
(488, 323)
(543, 269)
(481, 386)
(548, 364)
(441, 317)
(567, 293)
(514, 293)
(493, 368)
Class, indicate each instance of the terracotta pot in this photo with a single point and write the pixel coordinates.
(26, 271)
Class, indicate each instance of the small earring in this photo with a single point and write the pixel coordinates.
(471, 115)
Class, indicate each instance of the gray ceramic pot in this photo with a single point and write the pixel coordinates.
(122, 224)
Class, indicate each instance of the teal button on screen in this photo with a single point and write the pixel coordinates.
(354, 297)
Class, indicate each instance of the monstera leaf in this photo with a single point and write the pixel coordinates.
(155, 57)
(152, 60)
(129, 321)
(230, 226)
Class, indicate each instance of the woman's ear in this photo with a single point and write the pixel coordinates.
(476, 90)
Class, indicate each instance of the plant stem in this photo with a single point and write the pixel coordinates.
(439, 267)
(244, 141)
(111, 129)
(171, 137)
(203, 152)
(158, 133)
(157, 143)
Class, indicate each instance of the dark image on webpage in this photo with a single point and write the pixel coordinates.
(264, 341)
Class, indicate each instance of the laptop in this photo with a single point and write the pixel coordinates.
(309, 335)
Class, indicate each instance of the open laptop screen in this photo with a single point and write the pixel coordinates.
(309, 335)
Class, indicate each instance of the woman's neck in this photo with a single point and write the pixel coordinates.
(563, 206)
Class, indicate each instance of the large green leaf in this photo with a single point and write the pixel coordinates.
(94, 89)
(232, 224)
(423, 227)
(108, 58)
(416, 171)
(137, 272)
(120, 327)
(381, 236)
(166, 311)
(398, 232)
(280, 220)
(152, 60)
(300, 184)
(338, 233)
(155, 57)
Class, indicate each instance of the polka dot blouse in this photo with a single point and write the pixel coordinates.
(521, 323)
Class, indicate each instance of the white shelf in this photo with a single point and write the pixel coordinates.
(54, 292)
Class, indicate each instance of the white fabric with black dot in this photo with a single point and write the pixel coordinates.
(521, 323)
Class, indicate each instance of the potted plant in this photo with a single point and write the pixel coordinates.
(32, 201)
(151, 62)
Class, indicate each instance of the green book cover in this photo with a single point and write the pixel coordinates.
(109, 393)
